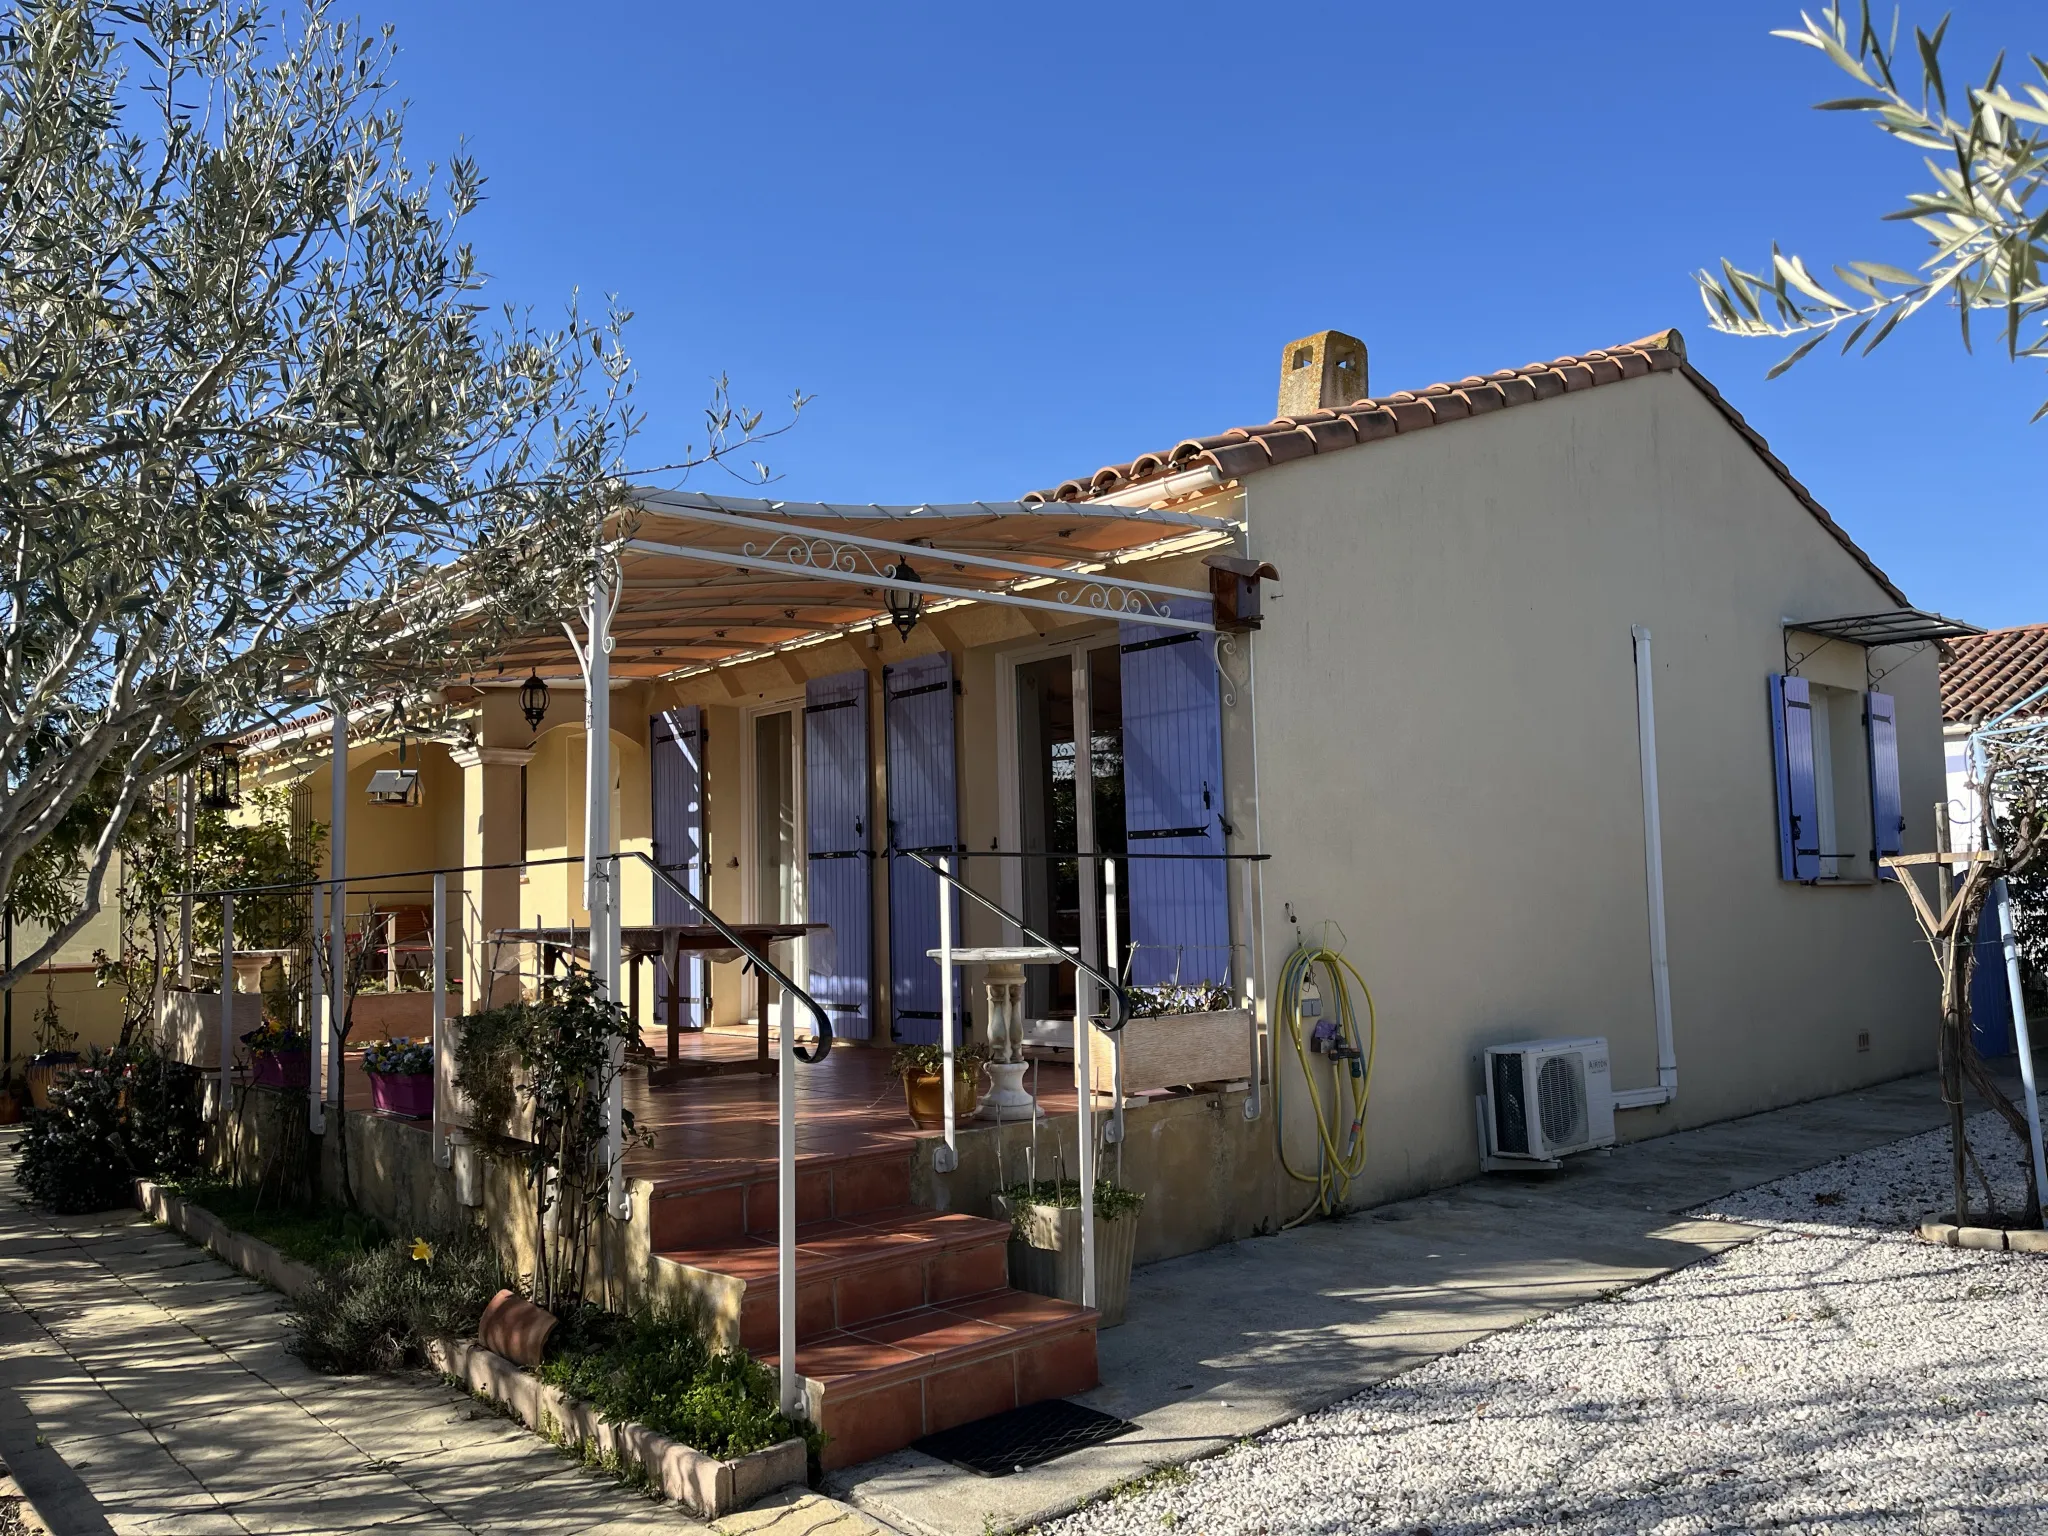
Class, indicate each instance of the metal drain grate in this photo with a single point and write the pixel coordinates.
(1023, 1437)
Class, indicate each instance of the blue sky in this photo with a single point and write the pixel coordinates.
(1004, 246)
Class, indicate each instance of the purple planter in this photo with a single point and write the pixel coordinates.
(283, 1069)
(411, 1095)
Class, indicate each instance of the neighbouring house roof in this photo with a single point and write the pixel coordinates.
(1994, 671)
(1243, 451)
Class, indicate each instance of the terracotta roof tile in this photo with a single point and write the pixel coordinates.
(1994, 671)
(1247, 450)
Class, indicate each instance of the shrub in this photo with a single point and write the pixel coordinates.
(376, 1312)
(399, 1057)
(656, 1370)
(929, 1060)
(1174, 997)
(118, 1116)
(1111, 1199)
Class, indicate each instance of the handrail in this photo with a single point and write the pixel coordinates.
(1119, 1008)
(713, 920)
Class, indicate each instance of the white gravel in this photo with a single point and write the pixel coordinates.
(1834, 1375)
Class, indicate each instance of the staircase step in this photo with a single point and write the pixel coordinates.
(865, 1267)
(875, 1388)
(726, 1201)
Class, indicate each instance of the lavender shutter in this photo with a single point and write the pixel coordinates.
(836, 824)
(1887, 805)
(677, 736)
(1792, 753)
(923, 815)
(1173, 803)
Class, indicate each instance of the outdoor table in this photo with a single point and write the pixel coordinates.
(669, 942)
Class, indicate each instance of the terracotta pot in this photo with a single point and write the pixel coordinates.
(925, 1093)
(283, 1069)
(42, 1075)
(410, 1094)
(10, 1107)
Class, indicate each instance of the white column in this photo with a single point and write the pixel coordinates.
(337, 912)
(600, 867)
(188, 837)
(1084, 989)
(443, 1065)
(785, 1209)
(316, 1004)
(227, 1005)
(945, 1159)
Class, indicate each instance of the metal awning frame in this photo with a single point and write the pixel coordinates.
(1897, 626)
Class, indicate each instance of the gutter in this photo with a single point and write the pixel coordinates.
(1653, 878)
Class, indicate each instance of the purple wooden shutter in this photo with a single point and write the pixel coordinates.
(924, 815)
(837, 891)
(677, 736)
(1887, 804)
(1792, 751)
(1173, 803)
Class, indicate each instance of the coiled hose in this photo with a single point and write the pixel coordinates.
(1340, 1158)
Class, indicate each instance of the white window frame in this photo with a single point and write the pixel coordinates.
(750, 861)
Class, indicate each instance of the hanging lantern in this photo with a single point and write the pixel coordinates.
(533, 701)
(904, 607)
(220, 778)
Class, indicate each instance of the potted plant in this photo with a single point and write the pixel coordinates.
(1174, 1035)
(11, 1097)
(53, 1050)
(924, 1086)
(280, 1056)
(1045, 1240)
(401, 1076)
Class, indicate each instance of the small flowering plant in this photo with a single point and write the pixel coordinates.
(399, 1057)
(272, 1038)
(1178, 997)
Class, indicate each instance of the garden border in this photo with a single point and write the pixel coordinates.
(702, 1484)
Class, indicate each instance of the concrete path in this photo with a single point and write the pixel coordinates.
(145, 1388)
(1227, 1343)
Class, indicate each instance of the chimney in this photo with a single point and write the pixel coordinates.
(1321, 372)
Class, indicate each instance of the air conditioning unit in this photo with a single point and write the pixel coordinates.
(1544, 1099)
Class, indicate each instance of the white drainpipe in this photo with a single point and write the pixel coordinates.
(1653, 874)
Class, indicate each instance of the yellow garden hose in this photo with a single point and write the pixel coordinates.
(1333, 1035)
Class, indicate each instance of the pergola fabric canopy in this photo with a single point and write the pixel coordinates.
(713, 579)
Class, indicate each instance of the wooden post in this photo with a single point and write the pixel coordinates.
(1954, 1008)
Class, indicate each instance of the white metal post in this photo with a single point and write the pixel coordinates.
(188, 838)
(227, 1002)
(949, 1158)
(600, 867)
(785, 1207)
(439, 1026)
(1084, 1122)
(1084, 989)
(316, 1022)
(337, 914)
(2001, 893)
(1113, 948)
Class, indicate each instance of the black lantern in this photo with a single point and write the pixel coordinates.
(533, 701)
(904, 607)
(220, 778)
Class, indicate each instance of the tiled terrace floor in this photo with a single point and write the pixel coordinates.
(707, 1128)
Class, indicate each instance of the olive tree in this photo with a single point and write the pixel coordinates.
(1983, 209)
(260, 438)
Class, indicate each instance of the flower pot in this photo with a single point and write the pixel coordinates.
(925, 1093)
(283, 1069)
(10, 1107)
(1045, 1255)
(42, 1074)
(411, 1095)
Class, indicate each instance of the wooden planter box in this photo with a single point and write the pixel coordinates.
(1046, 1258)
(386, 1015)
(1175, 1051)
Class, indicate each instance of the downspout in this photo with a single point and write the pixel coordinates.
(1653, 875)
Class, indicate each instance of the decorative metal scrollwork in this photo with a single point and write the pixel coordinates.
(819, 554)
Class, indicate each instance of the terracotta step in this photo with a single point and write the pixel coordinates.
(722, 1204)
(853, 1271)
(877, 1387)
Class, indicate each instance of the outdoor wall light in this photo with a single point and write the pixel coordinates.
(533, 701)
(220, 777)
(904, 607)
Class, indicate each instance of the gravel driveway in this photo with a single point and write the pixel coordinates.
(1834, 1375)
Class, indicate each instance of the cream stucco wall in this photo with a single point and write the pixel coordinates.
(1448, 762)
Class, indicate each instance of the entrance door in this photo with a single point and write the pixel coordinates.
(840, 893)
(678, 791)
(923, 815)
